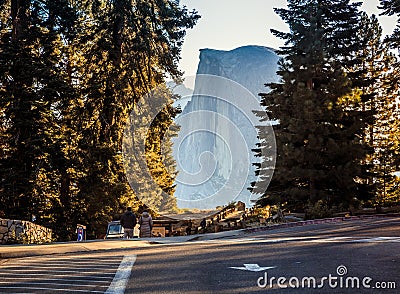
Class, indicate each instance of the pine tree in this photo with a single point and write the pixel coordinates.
(32, 86)
(320, 124)
(70, 74)
(391, 195)
(67, 208)
(372, 76)
(148, 160)
(131, 47)
(159, 152)
(392, 7)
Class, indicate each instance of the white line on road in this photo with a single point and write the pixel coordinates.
(56, 284)
(122, 275)
(74, 260)
(379, 239)
(333, 239)
(76, 269)
(52, 289)
(313, 239)
(92, 280)
(53, 274)
(63, 264)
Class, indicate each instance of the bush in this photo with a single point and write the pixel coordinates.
(318, 210)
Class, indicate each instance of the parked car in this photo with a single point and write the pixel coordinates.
(114, 230)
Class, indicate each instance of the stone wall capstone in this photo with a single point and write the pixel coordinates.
(24, 232)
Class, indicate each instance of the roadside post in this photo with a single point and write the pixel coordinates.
(81, 232)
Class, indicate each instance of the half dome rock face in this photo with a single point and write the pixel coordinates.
(250, 66)
(218, 127)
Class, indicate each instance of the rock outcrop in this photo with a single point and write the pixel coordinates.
(218, 127)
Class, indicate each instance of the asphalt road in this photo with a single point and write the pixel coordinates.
(82, 273)
(347, 257)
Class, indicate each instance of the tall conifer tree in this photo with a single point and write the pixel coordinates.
(320, 123)
(70, 74)
(392, 7)
(33, 86)
(131, 47)
(374, 77)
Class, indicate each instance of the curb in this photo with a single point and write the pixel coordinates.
(321, 221)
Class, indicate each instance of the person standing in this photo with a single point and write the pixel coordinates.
(189, 228)
(146, 225)
(203, 225)
(128, 222)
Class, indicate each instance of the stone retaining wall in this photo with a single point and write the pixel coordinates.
(24, 232)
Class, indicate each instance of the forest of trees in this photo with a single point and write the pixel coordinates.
(74, 78)
(337, 107)
(71, 73)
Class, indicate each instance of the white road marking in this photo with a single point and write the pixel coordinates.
(263, 240)
(77, 270)
(316, 239)
(64, 264)
(356, 240)
(379, 239)
(313, 239)
(62, 275)
(252, 267)
(53, 289)
(122, 275)
(75, 274)
(333, 239)
(67, 261)
(57, 284)
(92, 280)
(57, 274)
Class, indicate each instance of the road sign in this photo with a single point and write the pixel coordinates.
(80, 230)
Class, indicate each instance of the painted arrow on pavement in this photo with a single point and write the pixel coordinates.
(252, 267)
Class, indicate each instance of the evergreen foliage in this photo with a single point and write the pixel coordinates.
(392, 7)
(148, 160)
(390, 193)
(318, 108)
(375, 78)
(70, 74)
(337, 106)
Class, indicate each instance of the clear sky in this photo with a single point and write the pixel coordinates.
(228, 24)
